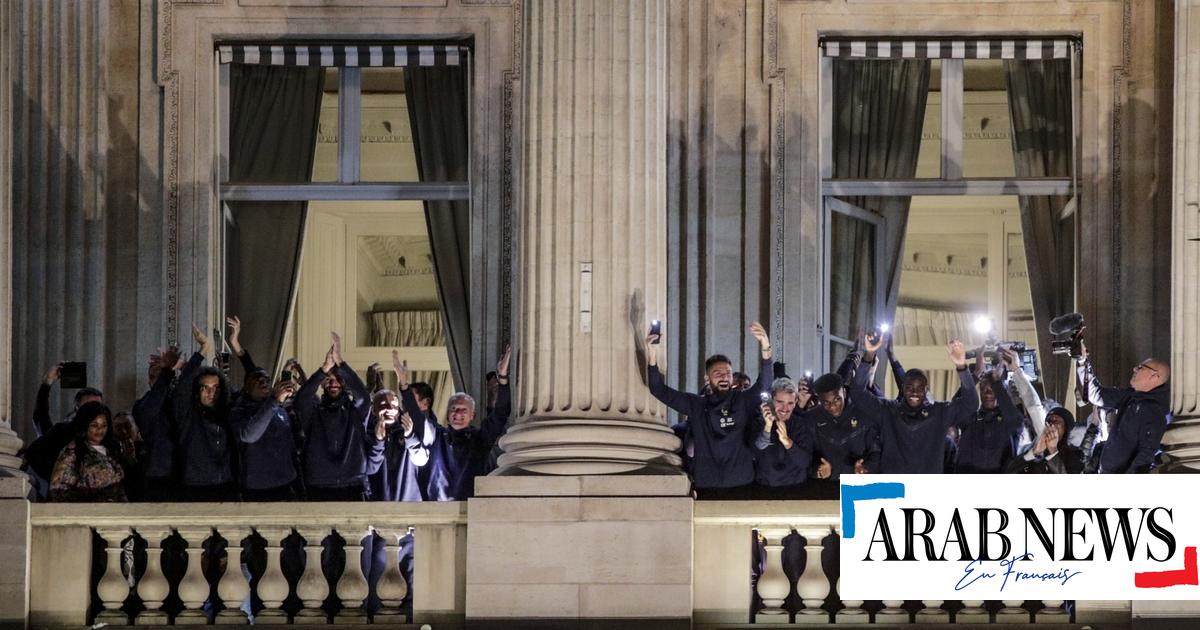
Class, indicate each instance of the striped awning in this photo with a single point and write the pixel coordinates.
(343, 55)
(944, 48)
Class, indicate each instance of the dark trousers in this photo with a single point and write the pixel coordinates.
(345, 493)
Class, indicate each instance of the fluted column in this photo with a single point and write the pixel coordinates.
(1182, 440)
(593, 239)
(9, 442)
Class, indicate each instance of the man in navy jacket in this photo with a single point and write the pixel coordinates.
(268, 471)
(1143, 411)
(785, 443)
(340, 450)
(913, 429)
(721, 421)
(985, 443)
(205, 452)
(457, 453)
(845, 435)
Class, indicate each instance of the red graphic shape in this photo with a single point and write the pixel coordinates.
(1188, 575)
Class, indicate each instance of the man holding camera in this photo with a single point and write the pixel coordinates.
(1142, 412)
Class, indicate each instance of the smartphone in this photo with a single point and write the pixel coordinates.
(656, 329)
(73, 375)
(764, 396)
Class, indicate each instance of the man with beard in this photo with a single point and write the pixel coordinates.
(785, 443)
(459, 452)
(985, 443)
(265, 431)
(339, 449)
(845, 438)
(719, 421)
(913, 429)
(1142, 413)
(204, 439)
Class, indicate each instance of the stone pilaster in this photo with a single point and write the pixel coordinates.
(1182, 440)
(593, 239)
(10, 443)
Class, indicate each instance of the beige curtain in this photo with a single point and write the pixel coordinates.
(927, 327)
(397, 329)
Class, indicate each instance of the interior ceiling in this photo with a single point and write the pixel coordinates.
(398, 255)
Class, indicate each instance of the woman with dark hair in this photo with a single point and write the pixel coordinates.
(88, 469)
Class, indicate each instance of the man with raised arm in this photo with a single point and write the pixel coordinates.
(913, 429)
(340, 449)
(204, 440)
(458, 453)
(721, 421)
(1142, 413)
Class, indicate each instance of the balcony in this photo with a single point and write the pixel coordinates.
(186, 568)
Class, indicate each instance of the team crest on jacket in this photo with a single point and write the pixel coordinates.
(853, 423)
(726, 421)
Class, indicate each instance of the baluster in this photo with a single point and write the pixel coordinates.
(273, 586)
(153, 587)
(1053, 611)
(892, 612)
(352, 588)
(853, 613)
(392, 587)
(1012, 612)
(113, 588)
(233, 587)
(972, 612)
(932, 612)
(773, 585)
(312, 589)
(813, 585)
(193, 589)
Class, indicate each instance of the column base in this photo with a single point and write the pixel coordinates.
(771, 617)
(191, 618)
(279, 618)
(151, 618)
(589, 447)
(972, 616)
(1052, 616)
(1181, 446)
(932, 616)
(808, 617)
(232, 617)
(112, 618)
(852, 617)
(1011, 616)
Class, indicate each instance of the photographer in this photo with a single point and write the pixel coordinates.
(1142, 412)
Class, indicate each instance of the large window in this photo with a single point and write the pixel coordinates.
(345, 195)
(948, 176)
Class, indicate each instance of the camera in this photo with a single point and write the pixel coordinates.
(1068, 335)
(1026, 356)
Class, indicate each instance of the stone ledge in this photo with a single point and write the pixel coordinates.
(584, 486)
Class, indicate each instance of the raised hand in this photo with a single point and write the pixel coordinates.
(235, 333)
(502, 364)
(784, 438)
(760, 333)
(202, 339)
(330, 362)
(1010, 359)
(957, 352)
(170, 358)
(401, 368)
(337, 347)
(825, 470)
(872, 342)
(406, 423)
(860, 467)
(652, 349)
(53, 373)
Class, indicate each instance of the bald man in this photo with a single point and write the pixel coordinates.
(1143, 410)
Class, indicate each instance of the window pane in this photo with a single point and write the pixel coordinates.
(929, 160)
(986, 126)
(878, 117)
(851, 276)
(274, 122)
(325, 167)
(386, 142)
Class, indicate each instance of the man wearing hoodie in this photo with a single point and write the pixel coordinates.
(268, 472)
(722, 422)
(1142, 413)
(204, 450)
(340, 450)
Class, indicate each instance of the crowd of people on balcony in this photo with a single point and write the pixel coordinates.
(785, 436)
(330, 436)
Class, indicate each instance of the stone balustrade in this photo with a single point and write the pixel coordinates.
(232, 564)
(763, 562)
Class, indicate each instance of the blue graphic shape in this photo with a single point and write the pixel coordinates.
(853, 494)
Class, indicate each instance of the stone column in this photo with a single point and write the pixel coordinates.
(10, 464)
(1182, 440)
(593, 239)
